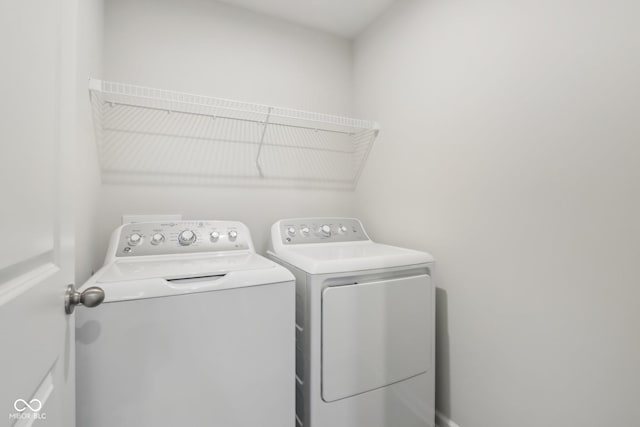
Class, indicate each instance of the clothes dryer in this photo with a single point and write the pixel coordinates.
(365, 325)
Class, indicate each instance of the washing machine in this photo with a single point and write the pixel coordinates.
(364, 325)
(196, 329)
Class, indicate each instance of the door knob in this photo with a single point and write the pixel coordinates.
(90, 297)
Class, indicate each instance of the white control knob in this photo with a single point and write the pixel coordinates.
(187, 237)
(325, 230)
(214, 236)
(233, 235)
(305, 231)
(157, 238)
(342, 229)
(135, 239)
(291, 231)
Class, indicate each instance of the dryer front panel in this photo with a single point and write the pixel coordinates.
(375, 334)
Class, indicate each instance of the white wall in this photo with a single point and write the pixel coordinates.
(89, 64)
(510, 150)
(205, 47)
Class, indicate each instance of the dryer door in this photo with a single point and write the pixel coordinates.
(375, 334)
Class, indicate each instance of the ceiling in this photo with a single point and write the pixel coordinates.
(345, 18)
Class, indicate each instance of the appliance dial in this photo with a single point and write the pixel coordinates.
(187, 237)
(291, 231)
(305, 231)
(214, 236)
(325, 230)
(157, 238)
(135, 239)
(233, 235)
(342, 229)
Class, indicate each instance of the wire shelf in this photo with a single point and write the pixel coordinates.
(147, 135)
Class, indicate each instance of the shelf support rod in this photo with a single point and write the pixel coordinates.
(264, 132)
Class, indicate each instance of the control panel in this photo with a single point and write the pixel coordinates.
(320, 230)
(162, 238)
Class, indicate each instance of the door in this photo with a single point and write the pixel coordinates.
(375, 334)
(36, 255)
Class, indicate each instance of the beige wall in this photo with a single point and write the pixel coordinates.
(510, 149)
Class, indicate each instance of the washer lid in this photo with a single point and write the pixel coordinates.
(349, 256)
(161, 276)
(180, 267)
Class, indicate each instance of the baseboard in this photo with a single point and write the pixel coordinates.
(444, 421)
